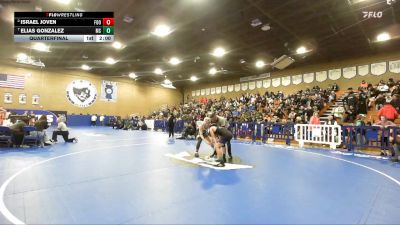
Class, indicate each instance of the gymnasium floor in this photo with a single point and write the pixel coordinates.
(124, 177)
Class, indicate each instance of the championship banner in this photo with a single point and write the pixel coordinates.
(218, 90)
(276, 82)
(335, 74)
(108, 91)
(212, 91)
(363, 70)
(321, 76)
(308, 77)
(394, 66)
(349, 72)
(378, 68)
(297, 79)
(286, 81)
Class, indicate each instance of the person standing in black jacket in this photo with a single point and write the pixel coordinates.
(171, 125)
(362, 103)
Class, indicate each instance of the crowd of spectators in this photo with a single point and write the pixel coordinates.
(268, 107)
(296, 108)
(383, 97)
(132, 122)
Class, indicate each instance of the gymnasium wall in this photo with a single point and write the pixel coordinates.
(51, 86)
(343, 83)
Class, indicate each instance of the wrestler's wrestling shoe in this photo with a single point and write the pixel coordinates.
(221, 163)
(196, 155)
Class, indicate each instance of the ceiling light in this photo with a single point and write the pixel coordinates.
(117, 45)
(219, 52)
(128, 19)
(41, 47)
(242, 61)
(22, 56)
(65, 2)
(301, 50)
(158, 71)
(167, 82)
(383, 37)
(260, 64)
(357, 1)
(86, 67)
(212, 71)
(170, 86)
(79, 9)
(132, 75)
(266, 27)
(193, 78)
(256, 22)
(174, 61)
(162, 30)
(25, 59)
(110, 61)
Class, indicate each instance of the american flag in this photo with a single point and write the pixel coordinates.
(12, 81)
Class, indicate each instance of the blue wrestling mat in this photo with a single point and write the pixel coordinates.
(123, 177)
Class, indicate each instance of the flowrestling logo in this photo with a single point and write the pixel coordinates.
(81, 93)
(376, 14)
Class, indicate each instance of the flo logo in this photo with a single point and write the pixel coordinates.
(372, 14)
(81, 93)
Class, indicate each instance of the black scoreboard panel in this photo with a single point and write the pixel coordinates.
(63, 26)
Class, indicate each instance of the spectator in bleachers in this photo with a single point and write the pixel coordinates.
(359, 120)
(350, 114)
(390, 83)
(396, 102)
(339, 111)
(396, 90)
(363, 85)
(379, 101)
(315, 119)
(388, 111)
(331, 120)
(332, 96)
(335, 87)
(362, 103)
(383, 87)
(351, 99)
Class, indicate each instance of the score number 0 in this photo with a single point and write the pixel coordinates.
(108, 22)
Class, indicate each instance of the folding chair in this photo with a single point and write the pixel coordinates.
(5, 136)
(30, 139)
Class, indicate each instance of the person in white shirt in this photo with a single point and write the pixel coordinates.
(382, 87)
(62, 130)
(338, 112)
(93, 120)
(101, 119)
